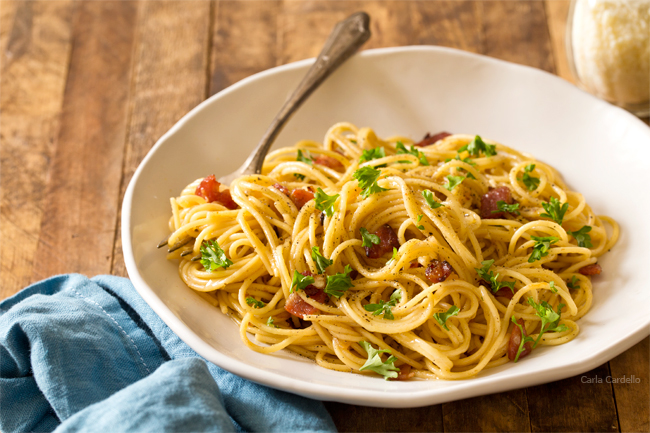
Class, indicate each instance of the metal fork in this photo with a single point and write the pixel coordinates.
(345, 39)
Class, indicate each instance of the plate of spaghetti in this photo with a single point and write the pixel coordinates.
(432, 225)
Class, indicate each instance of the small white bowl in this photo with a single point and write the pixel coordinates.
(602, 151)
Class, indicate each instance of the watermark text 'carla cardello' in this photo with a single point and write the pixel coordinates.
(610, 379)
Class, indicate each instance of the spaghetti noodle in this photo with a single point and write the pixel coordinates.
(380, 256)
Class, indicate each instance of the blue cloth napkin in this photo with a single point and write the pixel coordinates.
(79, 354)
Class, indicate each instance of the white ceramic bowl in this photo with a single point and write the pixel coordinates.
(601, 150)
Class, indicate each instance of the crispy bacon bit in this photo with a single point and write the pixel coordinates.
(438, 271)
(491, 198)
(515, 339)
(593, 269)
(330, 162)
(209, 190)
(298, 307)
(283, 189)
(405, 372)
(504, 292)
(387, 241)
(430, 139)
(301, 196)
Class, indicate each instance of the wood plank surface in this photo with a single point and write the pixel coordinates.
(170, 61)
(35, 39)
(86, 88)
(82, 199)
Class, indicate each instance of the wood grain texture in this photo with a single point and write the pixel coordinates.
(352, 418)
(83, 188)
(169, 79)
(503, 412)
(630, 372)
(35, 39)
(581, 403)
(244, 41)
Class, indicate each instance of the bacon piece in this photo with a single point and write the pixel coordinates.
(515, 340)
(405, 372)
(283, 189)
(504, 292)
(330, 162)
(415, 264)
(387, 241)
(491, 198)
(298, 307)
(438, 271)
(209, 190)
(430, 139)
(301, 196)
(593, 269)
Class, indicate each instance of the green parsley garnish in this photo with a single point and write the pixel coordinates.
(458, 158)
(368, 239)
(339, 283)
(582, 236)
(367, 177)
(269, 322)
(213, 257)
(325, 202)
(492, 279)
(431, 199)
(370, 154)
(392, 258)
(531, 182)
(477, 146)
(254, 302)
(542, 245)
(442, 317)
(419, 227)
(299, 176)
(374, 363)
(300, 281)
(321, 261)
(502, 206)
(554, 210)
(304, 158)
(552, 286)
(453, 181)
(385, 307)
(550, 318)
(524, 338)
(401, 150)
(574, 283)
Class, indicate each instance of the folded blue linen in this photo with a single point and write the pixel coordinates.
(79, 354)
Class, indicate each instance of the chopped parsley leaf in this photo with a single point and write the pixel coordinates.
(385, 307)
(401, 150)
(370, 154)
(477, 146)
(374, 363)
(213, 257)
(574, 283)
(368, 239)
(492, 279)
(367, 177)
(542, 245)
(300, 281)
(531, 182)
(502, 206)
(339, 283)
(550, 318)
(306, 158)
(321, 261)
(325, 202)
(582, 236)
(453, 181)
(269, 322)
(555, 210)
(254, 302)
(442, 317)
(431, 199)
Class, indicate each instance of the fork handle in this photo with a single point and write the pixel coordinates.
(347, 36)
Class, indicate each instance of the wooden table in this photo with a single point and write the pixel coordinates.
(87, 87)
